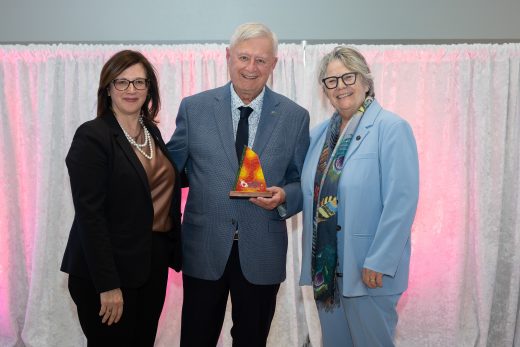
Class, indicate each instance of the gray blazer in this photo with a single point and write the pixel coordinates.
(203, 145)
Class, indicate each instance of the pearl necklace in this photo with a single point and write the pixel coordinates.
(147, 140)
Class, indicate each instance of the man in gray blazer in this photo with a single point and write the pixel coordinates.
(237, 246)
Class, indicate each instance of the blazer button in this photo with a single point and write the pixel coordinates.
(358, 138)
(338, 227)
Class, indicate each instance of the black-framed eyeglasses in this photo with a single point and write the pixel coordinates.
(348, 78)
(122, 84)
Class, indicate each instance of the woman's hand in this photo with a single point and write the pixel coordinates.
(111, 306)
(372, 279)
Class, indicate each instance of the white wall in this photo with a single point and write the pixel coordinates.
(214, 20)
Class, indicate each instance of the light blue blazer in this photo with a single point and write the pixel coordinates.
(378, 192)
(203, 144)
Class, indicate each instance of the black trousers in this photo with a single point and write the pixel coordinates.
(141, 309)
(204, 308)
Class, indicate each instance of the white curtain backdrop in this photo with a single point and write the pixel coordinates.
(463, 102)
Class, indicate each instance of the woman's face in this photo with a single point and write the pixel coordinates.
(345, 99)
(129, 102)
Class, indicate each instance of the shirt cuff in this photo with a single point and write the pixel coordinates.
(282, 210)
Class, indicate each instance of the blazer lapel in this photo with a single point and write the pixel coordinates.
(224, 121)
(313, 155)
(268, 121)
(127, 149)
(367, 121)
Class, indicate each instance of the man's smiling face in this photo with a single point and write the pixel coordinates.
(250, 63)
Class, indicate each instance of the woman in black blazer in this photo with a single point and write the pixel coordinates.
(126, 194)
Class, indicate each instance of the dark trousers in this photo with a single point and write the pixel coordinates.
(141, 308)
(204, 308)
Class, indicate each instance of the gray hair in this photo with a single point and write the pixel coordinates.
(353, 60)
(253, 30)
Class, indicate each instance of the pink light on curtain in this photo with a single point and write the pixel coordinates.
(24, 134)
(175, 279)
(445, 245)
(441, 149)
(18, 188)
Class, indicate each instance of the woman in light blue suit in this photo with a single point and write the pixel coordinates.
(360, 185)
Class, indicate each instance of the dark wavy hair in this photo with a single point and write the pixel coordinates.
(116, 65)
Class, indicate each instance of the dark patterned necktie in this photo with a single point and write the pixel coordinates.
(242, 130)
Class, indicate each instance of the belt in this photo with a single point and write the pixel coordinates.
(235, 236)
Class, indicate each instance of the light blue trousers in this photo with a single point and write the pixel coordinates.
(363, 321)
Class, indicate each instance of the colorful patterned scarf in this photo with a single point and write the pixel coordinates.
(325, 206)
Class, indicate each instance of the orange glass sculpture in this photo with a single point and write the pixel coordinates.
(250, 181)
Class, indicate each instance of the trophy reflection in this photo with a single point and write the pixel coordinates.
(250, 181)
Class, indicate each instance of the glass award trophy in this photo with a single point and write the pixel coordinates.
(250, 181)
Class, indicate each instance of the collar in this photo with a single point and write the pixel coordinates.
(236, 102)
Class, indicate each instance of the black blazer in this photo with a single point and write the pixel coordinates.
(110, 241)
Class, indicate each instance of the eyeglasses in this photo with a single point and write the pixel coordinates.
(122, 84)
(348, 78)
